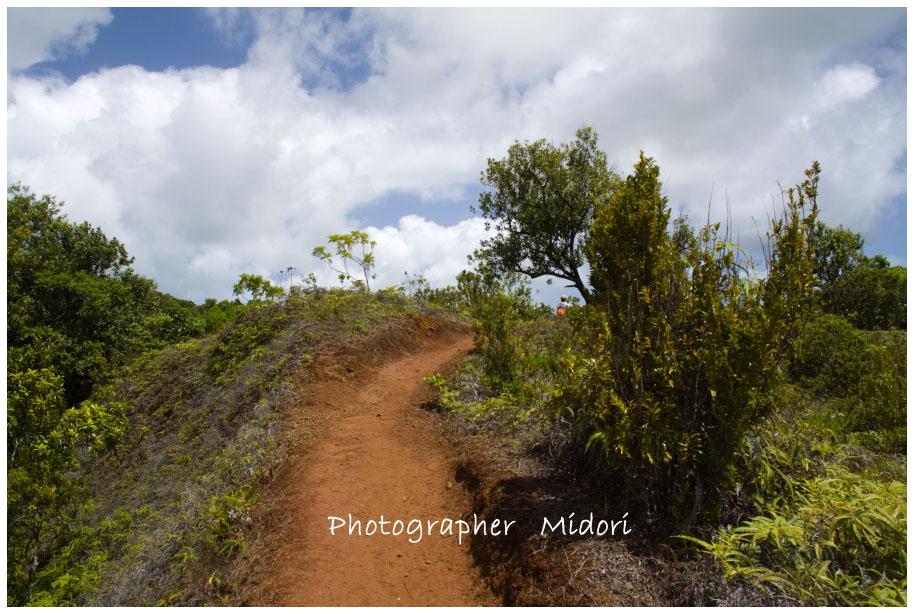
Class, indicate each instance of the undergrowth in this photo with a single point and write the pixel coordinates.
(817, 513)
(170, 505)
(821, 517)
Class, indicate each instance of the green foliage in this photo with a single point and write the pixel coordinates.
(542, 199)
(873, 295)
(674, 366)
(868, 292)
(496, 305)
(244, 340)
(834, 360)
(817, 515)
(788, 297)
(217, 315)
(829, 357)
(841, 541)
(75, 310)
(345, 247)
(172, 320)
(43, 441)
(447, 298)
(74, 305)
(230, 517)
(261, 289)
(835, 253)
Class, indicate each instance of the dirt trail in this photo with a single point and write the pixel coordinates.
(374, 452)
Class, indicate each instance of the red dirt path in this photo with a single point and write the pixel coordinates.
(373, 452)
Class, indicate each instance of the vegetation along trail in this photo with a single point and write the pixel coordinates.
(374, 453)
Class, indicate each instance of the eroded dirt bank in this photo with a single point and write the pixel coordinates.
(367, 449)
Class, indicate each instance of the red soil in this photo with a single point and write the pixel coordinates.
(370, 451)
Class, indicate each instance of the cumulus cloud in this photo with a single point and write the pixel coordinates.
(40, 34)
(423, 248)
(205, 173)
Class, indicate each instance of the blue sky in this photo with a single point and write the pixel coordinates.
(154, 38)
(219, 141)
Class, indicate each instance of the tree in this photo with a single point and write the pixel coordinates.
(835, 253)
(630, 243)
(346, 246)
(260, 288)
(789, 298)
(43, 440)
(541, 203)
(74, 303)
(75, 307)
(873, 295)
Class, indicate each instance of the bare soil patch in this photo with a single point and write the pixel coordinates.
(365, 447)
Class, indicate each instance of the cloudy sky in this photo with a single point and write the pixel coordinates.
(219, 141)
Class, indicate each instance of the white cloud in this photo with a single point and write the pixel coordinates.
(39, 34)
(206, 173)
(423, 248)
(847, 83)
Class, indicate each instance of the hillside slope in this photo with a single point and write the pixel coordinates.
(170, 507)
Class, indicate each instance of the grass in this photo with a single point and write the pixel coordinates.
(818, 515)
(170, 507)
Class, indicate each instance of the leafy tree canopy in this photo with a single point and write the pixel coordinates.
(73, 301)
(872, 295)
(835, 252)
(541, 203)
(260, 288)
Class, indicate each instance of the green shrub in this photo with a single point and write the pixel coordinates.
(497, 305)
(674, 365)
(833, 359)
(830, 357)
(842, 541)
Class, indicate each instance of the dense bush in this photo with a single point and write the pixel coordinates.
(674, 366)
(832, 359)
(871, 296)
(74, 304)
(819, 517)
(44, 439)
(829, 357)
(496, 305)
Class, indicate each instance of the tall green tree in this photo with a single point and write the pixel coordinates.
(866, 291)
(260, 288)
(74, 303)
(541, 201)
(835, 252)
(873, 295)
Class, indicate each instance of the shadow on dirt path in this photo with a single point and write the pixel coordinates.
(372, 452)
